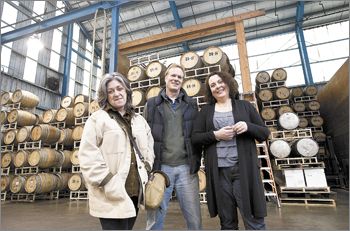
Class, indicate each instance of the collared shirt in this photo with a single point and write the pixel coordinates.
(173, 103)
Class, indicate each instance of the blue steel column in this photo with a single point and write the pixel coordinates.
(177, 21)
(113, 55)
(301, 44)
(67, 61)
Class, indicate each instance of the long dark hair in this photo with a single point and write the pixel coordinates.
(103, 95)
(228, 79)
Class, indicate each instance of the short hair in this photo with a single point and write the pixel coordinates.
(103, 94)
(228, 79)
(174, 65)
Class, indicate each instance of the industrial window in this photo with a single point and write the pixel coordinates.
(8, 17)
(39, 7)
(329, 49)
(5, 57)
(61, 6)
(30, 70)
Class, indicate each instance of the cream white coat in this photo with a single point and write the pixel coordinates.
(105, 148)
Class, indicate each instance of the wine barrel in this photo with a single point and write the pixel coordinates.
(268, 114)
(284, 109)
(191, 60)
(138, 97)
(280, 148)
(313, 106)
(288, 121)
(23, 134)
(316, 121)
(152, 92)
(39, 119)
(279, 74)
(76, 182)
(306, 147)
(156, 69)
(63, 179)
(3, 117)
(299, 107)
(282, 93)
(49, 116)
(41, 183)
(45, 158)
(215, 56)
(262, 77)
(46, 133)
(66, 137)
(66, 115)
(81, 98)
(297, 92)
(74, 157)
(319, 136)
(193, 87)
(136, 73)
(77, 132)
(303, 122)
(26, 98)
(10, 137)
(23, 118)
(67, 101)
(81, 109)
(21, 159)
(5, 182)
(310, 90)
(6, 98)
(265, 95)
(93, 106)
(66, 164)
(202, 180)
(7, 159)
(17, 185)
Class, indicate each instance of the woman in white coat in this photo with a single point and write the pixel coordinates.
(114, 173)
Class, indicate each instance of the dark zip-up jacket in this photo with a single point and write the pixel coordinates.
(154, 114)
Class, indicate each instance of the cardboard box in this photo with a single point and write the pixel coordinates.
(294, 177)
(315, 177)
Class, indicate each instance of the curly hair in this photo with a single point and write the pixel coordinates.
(102, 98)
(228, 79)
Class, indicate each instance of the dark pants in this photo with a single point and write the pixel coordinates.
(231, 197)
(120, 224)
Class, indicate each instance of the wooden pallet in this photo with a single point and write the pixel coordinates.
(307, 196)
(308, 201)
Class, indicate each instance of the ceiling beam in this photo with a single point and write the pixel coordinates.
(187, 33)
(51, 23)
(178, 22)
(305, 63)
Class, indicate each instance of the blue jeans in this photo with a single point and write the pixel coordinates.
(187, 193)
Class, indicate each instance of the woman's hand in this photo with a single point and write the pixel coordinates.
(224, 133)
(240, 127)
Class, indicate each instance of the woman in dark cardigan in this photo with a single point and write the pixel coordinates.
(227, 129)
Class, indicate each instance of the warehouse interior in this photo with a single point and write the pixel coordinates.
(289, 58)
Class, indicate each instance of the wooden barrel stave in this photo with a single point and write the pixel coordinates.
(24, 134)
(46, 133)
(76, 182)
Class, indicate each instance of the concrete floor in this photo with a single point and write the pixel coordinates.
(64, 214)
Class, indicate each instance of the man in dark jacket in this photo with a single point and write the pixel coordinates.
(170, 116)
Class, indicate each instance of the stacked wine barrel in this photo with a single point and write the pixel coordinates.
(281, 112)
(196, 67)
(41, 150)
